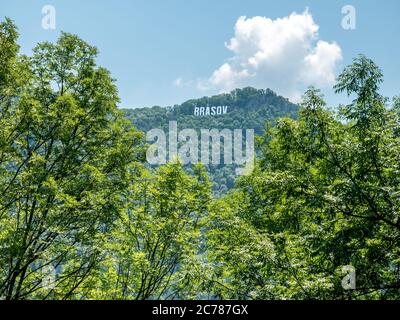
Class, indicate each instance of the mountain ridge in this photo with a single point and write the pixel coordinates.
(246, 108)
(246, 99)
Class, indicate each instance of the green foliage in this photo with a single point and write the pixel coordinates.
(152, 252)
(76, 196)
(324, 195)
(64, 156)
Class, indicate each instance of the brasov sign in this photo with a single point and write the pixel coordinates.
(210, 111)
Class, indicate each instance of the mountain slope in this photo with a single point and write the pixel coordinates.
(246, 108)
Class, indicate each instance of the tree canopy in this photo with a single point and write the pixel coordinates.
(324, 195)
(83, 217)
(65, 153)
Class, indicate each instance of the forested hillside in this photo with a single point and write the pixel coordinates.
(82, 216)
(246, 108)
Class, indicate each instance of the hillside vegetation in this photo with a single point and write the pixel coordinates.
(247, 108)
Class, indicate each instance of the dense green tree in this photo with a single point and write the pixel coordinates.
(324, 195)
(154, 249)
(64, 156)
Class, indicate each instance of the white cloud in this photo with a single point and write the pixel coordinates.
(226, 75)
(182, 83)
(320, 63)
(283, 54)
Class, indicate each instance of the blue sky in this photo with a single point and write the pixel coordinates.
(167, 51)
